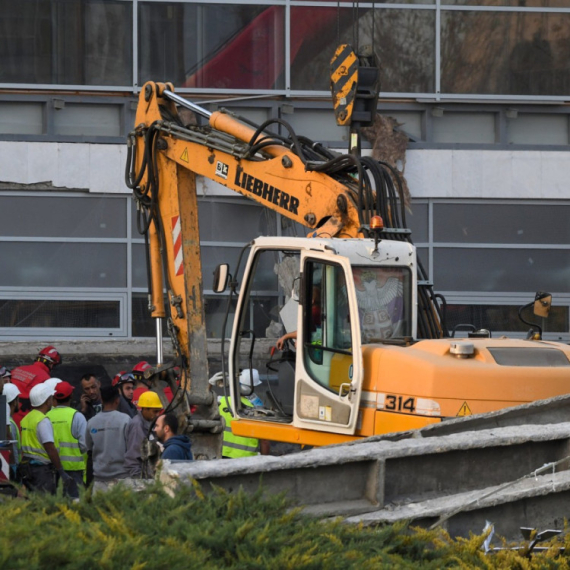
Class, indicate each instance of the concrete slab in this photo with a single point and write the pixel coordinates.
(534, 502)
(345, 479)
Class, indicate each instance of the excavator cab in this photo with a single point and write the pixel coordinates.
(335, 296)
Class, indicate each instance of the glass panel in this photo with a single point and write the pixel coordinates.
(272, 314)
(328, 339)
(538, 129)
(316, 125)
(88, 120)
(234, 222)
(62, 42)
(215, 306)
(43, 216)
(143, 324)
(417, 221)
(215, 313)
(30, 264)
(517, 3)
(464, 128)
(494, 270)
(501, 223)
(384, 302)
(139, 266)
(212, 45)
(505, 53)
(21, 313)
(21, 118)
(404, 43)
(504, 318)
(211, 256)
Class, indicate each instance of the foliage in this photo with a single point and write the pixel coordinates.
(150, 529)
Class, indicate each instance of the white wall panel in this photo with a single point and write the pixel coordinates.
(430, 173)
(14, 162)
(526, 176)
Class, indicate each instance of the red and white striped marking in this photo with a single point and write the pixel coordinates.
(4, 467)
(177, 241)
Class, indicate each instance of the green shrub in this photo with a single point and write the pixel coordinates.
(149, 529)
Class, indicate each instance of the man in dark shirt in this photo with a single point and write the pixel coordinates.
(175, 446)
(90, 403)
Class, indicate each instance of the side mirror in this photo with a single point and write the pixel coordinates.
(542, 304)
(221, 278)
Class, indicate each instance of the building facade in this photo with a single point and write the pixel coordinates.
(480, 88)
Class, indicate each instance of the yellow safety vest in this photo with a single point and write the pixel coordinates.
(235, 445)
(67, 446)
(31, 446)
(16, 447)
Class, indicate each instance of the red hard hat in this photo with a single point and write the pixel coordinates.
(142, 366)
(50, 354)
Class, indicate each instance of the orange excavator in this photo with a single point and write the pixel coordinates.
(372, 355)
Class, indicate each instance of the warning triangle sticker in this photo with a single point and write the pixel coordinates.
(184, 156)
(465, 410)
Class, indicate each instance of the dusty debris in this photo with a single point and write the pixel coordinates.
(389, 145)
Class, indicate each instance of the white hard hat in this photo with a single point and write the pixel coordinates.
(246, 376)
(11, 392)
(53, 382)
(40, 393)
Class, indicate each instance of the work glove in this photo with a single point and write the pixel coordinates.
(217, 379)
(69, 485)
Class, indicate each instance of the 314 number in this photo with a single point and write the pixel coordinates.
(398, 403)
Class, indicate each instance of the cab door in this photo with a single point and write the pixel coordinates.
(329, 370)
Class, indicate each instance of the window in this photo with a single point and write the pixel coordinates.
(384, 300)
(219, 46)
(66, 43)
(327, 336)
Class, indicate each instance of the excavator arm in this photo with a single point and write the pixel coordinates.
(333, 195)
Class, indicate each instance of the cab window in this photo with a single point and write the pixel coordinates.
(327, 342)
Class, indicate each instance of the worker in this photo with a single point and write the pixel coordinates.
(125, 382)
(41, 463)
(141, 383)
(106, 441)
(5, 376)
(139, 429)
(69, 427)
(316, 321)
(46, 360)
(175, 446)
(12, 399)
(280, 344)
(90, 401)
(26, 377)
(235, 445)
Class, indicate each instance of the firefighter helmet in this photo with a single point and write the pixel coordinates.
(117, 377)
(50, 354)
(124, 378)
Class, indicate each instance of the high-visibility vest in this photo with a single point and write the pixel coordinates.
(67, 446)
(16, 447)
(235, 445)
(31, 446)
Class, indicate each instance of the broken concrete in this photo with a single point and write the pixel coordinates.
(383, 476)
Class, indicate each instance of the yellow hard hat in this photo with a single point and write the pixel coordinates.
(149, 400)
